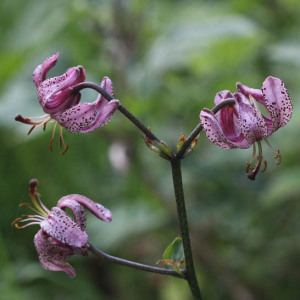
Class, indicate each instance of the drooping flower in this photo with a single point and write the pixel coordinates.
(60, 101)
(242, 124)
(60, 235)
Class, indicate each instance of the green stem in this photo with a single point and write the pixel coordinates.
(181, 211)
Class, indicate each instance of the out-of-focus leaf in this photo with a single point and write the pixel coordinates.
(173, 257)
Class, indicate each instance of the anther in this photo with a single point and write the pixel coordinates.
(32, 184)
(31, 129)
(265, 167)
(65, 150)
(24, 204)
(278, 155)
(15, 221)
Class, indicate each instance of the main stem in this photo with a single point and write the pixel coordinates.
(181, 211)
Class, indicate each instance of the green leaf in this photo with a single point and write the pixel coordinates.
(173, 257)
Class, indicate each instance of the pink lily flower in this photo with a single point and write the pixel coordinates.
(242, 124)
(60, 102)
(60, 235)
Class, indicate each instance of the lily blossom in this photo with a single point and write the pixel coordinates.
(242, 124)
(60, 235)
(60, 101)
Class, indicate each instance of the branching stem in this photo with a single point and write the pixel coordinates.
(199, 127)
(188, 274)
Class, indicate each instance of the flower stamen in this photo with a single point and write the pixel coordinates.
(52, 137)
(265, 166)
(255, 170)
(248, 164)
(277, 155)
(62, 142)
(39, 208)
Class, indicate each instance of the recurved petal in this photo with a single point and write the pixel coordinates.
(97, 209)
(252, 123)
(107, 85)
(278, 102)
(223, 130)
(103, 116)
(39, 74)
(223, 95)
(213, 130)
(86, 117)
(61, 102)
(76, 208)
(72, 77)
(61, 226)
(247, 91)
(51, 254)
(54, 93)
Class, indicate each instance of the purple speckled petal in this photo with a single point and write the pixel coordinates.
(55, 94)
(97, 209)
(278, 102)
(61, 102)
(39, 74)
(61, 226)
(227, 117)
(223, 95)
(103, 115)
(106, 84)
(52, 254)
(252, 123)
(247, 91)
(86, 117)
(77, 209)
(214, 131)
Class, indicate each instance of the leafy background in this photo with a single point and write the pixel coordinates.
(167, 60)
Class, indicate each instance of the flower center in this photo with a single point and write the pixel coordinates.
(39, 208)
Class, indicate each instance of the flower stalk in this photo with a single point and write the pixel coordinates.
(199, 128)
(121, 108)
(134, 265)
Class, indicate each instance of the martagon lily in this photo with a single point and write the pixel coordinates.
(60, 235)
(60, 101)
(242, 124)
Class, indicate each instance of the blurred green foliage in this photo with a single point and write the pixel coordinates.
(167, 60)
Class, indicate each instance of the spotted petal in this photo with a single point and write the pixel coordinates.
(56, 94)
(223, 95)
(97, 209)
(278, 102)
(216, 134)
(251, 121)
(52, 254)
(86, 117)
(40, 73)
(62, 227)
(248, 91)
(76, 208)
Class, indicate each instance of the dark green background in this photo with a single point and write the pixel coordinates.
(167, 60)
